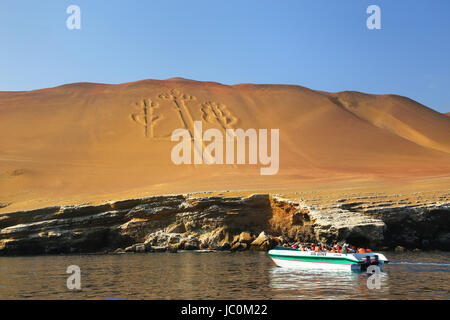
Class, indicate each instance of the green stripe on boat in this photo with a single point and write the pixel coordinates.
(316, 259)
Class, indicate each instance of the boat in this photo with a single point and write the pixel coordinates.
(294, 258)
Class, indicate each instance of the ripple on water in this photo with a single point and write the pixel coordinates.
(218, 275)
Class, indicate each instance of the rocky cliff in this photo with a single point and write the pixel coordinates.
(258, 222)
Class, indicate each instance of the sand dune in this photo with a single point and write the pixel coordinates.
(402, 116)
(85, 141)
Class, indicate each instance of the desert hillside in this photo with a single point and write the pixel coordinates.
(85, 142)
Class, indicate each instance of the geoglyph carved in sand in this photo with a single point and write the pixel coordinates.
(147, 116)
(213, 112)
(179, 100)
(150, 114)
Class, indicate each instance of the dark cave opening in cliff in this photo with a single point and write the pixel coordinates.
(358, 241)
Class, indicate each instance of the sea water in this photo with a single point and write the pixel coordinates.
(217, 275)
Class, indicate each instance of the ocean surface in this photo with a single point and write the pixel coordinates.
(217, 275)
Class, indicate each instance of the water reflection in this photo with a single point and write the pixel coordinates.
(321, 284)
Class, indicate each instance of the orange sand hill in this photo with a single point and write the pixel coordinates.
(87, 142)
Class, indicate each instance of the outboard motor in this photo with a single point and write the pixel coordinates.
(377, 261)
(367, 262)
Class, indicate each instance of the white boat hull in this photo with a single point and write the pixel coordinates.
(315, 265)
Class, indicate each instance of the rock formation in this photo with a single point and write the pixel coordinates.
(186, 222)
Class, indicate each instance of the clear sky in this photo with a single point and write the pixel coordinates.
(322, 45)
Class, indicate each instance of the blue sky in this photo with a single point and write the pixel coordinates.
(322, 45)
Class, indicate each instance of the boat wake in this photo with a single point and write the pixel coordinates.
(436, 264)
